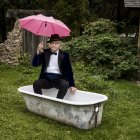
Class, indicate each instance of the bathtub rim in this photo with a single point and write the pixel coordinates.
(20, 89)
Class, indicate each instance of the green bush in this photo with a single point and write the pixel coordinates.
(108, 55)
(24, 59)
(85, 80)
(100, 26)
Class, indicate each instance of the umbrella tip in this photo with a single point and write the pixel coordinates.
(45, 23)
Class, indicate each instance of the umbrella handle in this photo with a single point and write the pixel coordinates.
(44, 41)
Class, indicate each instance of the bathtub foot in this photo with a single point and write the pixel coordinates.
(95, 114)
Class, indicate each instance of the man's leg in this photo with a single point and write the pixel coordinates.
(41, 84)
(63, 86)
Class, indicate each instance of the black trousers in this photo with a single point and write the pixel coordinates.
(61, 84)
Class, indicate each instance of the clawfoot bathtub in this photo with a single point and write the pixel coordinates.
(82, 109)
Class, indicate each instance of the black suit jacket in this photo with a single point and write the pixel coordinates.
(63, 62)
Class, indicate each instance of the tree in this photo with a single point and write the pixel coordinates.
(73, 13)
(2, 20)
(14, 4)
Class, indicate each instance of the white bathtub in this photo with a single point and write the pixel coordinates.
(82, 109)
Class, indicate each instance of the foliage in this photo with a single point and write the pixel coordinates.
(26, 4)
(85, 80)
(35, 4)
(109, 55)
(100, 26)
(24, 58)
(73, 13)
(126, 27)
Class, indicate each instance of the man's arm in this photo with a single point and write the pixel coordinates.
(70, 77)
(68, 71)
(37, 59)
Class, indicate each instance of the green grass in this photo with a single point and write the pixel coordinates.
(121, 115)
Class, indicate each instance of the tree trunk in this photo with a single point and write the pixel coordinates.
(2, 24)
(139, 41)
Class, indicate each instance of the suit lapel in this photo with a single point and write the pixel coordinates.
(60, 57)
(47, 57)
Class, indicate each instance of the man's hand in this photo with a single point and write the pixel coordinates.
(72, 89)
(40, 48)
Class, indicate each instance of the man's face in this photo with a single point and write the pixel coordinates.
(55, 45)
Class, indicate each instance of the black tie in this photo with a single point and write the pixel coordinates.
(54, 53)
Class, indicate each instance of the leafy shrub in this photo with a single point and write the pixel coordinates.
(108, 55)
(24, 59)
(86, 81)
(100, 26)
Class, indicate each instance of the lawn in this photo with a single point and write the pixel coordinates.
(121, 115)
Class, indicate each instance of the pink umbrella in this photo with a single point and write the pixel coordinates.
(45, 26)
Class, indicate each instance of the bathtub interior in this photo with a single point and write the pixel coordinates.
(79, 96)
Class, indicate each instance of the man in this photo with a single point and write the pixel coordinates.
(56, 68)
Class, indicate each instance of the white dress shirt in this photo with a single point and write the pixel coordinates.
(53, 66)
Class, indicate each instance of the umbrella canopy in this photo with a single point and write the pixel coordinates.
(45, 26)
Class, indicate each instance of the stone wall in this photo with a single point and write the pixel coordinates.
(11, 48)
